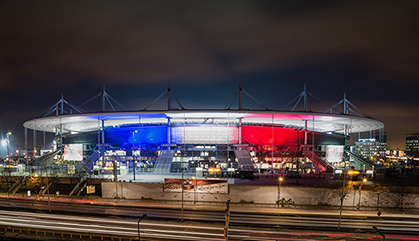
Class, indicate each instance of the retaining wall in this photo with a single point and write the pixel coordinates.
(253, 194)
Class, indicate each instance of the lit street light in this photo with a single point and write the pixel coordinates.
(194, 189)
(138, 223)
(280, 179)
(360, 187)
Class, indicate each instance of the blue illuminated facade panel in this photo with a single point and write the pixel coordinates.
(142, 135)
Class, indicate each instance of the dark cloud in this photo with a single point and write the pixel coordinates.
(366, 49)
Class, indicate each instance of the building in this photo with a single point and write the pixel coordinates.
(371, 148)
(412, 144)
(215, 143)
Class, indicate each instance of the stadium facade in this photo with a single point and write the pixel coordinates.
(217, 143)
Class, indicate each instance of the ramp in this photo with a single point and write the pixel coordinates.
(164, 161)
(320, 164)
(246, 161)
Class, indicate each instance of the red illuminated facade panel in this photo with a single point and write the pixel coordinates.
(263, 135)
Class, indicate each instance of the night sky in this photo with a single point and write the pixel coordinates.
(366, 49)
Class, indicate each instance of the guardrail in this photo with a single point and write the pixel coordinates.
(18, 232)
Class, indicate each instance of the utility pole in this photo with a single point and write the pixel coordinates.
(47, 185)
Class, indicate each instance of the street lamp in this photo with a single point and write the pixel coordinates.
(350, 172)
(194, 189)
(364, 180)
(280, 179)
(138, 224)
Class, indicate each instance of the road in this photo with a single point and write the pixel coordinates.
(164, 223)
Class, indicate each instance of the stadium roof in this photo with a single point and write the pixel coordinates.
(321, 122)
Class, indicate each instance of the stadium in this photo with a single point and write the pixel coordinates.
(202, 143)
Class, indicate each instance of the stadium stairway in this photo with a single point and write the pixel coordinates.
(45, 158)
(360, 162)
(246, 161)
(87, 163)
(164, 161)
(320, 164)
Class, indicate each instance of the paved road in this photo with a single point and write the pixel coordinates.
(160, 230)
(247, 223)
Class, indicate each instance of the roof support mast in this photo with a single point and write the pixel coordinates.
(348, 108)
(62, 104)
(168, 97)
(239, 91)
(240, 95)
(103, 98)
(169, 104)
(305, 98)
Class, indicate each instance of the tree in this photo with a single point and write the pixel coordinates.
(401, 196)
(377, 192)
(337, 192)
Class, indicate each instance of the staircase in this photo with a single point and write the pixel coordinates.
(164, 161)
(320, 164)
(79, 187)
(43, 191)
(17, 185)
(85, 166)
(245, 160)
(41, 160)
(360, 161)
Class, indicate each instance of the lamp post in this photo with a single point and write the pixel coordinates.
(280, 179)
(133, 151)
(350, 173)
(194, 189)
(138, 225)
(341, 199)
(376, 229)
(364, 180)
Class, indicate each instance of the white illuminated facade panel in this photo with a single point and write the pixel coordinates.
(204, 134)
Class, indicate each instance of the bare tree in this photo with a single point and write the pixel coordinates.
(323, 197)
(401, 196)
(377, 192)
(337, 192)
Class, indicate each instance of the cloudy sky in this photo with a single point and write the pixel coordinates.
(366, 49)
